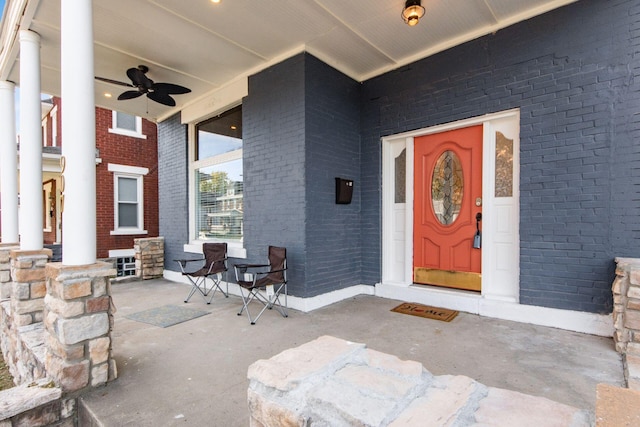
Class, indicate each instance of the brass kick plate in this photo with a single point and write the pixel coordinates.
(451, 279)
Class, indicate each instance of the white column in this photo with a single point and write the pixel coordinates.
(30, 143)
(78, 133)
(8, 164)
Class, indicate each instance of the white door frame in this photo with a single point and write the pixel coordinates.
(500, 220)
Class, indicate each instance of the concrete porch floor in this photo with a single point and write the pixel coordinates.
(194, 373)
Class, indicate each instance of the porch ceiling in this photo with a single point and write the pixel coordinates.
(204, 46)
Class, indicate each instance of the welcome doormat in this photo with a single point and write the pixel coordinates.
(427, 311)
(166, 316)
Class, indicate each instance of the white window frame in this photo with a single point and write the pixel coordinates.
(54, 126)
(127, 132)
(137, 173)
(235, 248)
(44, 132)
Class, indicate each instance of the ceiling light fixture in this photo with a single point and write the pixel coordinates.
(412, 12)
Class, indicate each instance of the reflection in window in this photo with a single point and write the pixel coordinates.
(447, 187)
(218, 177)
(504, 166)
(400, 177)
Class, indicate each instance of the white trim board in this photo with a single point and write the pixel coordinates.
(469, 302)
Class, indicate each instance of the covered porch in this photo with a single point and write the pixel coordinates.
(201, 378)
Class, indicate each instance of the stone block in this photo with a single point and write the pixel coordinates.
(633, 349)
(76, 289)
(23, 398)
(389, 362)
(69, 376)
(633, 304)
(616, 287)
(442, 403)
(351, 405)
(22, 319)
(99, 374)
(39, 417)
(634, 276)
(23, 264)
(268, 413)
(38, 289)
(5, 275)
(29, 275)
(99, 350)
(64, 308)
(72, 331)
(68, 408)
(616, 407)
(65, 352)
(286, 370)
(511, 408)
(632, 320)
(20, 291)
(5, 290)
(95, 305)
(28, 306)
(634, 292)
(377, 382)
(100, 286)
(113, 370)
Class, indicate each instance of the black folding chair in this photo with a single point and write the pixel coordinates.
(215, 266)
(266, 284)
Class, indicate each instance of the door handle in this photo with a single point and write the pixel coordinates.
(477, 239)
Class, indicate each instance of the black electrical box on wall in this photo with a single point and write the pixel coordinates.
(344, 191)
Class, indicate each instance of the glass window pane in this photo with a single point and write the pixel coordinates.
(126, 121)
(400, 177)
(127, 215)
(220, 134)
(127, 190)
(447, 187)
(220, 201)
(504, 166)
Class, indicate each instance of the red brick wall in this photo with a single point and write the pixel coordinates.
(121, 150)
(129, 151)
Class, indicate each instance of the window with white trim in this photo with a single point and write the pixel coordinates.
(126, 124)
(128, 197)
(218, 182)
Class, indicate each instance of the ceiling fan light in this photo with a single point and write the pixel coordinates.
(412, 12)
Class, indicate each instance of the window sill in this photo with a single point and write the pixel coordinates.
(234, 249)
(127, 232)
(127, 133)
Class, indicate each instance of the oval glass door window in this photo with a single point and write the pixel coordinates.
(446, 188)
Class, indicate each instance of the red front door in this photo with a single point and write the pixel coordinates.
(447, 201)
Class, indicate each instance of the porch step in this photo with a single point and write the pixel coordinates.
(330, 381)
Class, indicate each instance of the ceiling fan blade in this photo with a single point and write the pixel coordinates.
(162, 98)
(170, 88)
(130, 94)
(138, 78)
(114, 82)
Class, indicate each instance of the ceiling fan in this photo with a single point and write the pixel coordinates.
(159, 92)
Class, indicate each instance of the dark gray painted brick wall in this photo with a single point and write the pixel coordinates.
(173, 191)
(332, 150)
(273, 119)
(573, 74)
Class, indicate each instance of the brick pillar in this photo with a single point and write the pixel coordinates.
(78, 322)
(29, 287)
(5, 269)
(149, 254)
